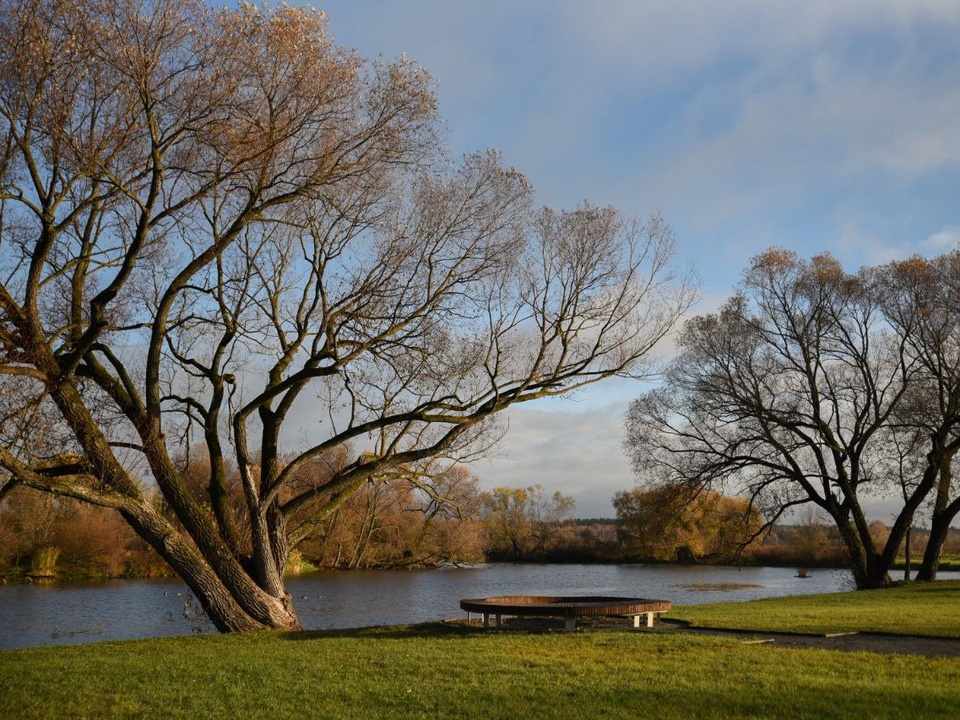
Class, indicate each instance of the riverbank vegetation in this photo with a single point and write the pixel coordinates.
(396, 525)
(439, 670)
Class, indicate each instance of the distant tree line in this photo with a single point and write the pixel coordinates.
(392, 521)
(397, 523)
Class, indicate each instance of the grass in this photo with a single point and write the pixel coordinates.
(451, 671)
(910, 609)
(948, 562)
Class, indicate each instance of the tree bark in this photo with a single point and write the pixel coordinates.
(236, 607)
(944, 513)
(871, 569)
(939, 530)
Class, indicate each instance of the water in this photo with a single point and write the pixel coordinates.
(68, 613)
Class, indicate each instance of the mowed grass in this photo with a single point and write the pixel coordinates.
(909, 609)
(948, 562)
(446, 671)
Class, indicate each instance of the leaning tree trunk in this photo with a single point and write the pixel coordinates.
(944, 513)
(228, 595)
(939, 531)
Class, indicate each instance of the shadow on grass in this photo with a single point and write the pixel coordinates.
(462, 628)
(935, 586)
(390, 632)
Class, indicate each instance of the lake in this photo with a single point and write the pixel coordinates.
(68, 613)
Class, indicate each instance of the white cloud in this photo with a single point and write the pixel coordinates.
(801, 87)
(859, 246)
(576, 451)
(942, 241)
(818, 125)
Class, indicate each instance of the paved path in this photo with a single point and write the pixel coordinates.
(850, 642)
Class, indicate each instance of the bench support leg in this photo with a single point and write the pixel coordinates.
(570, 625)
(648, 617)
(486, 621)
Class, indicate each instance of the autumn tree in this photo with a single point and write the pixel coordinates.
(521, 522)
(921, 301)
(666, 523)
(216, 226)
(45, 535)
(395, 523)
(788, 394)
(28, 525)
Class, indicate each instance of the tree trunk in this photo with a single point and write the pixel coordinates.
(234, 603)
(246, 608)
(944, 513)
(939, 529)
(870, 572)
(878, 573)
(870, 569)
(906, 554)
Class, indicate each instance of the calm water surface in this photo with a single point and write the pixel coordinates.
(67, 613)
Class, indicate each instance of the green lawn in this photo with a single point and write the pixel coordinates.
(912, 608)
(441, 671)
(948, 562)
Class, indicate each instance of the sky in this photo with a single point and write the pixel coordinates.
(818, 126)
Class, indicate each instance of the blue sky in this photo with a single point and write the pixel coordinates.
(815, 125)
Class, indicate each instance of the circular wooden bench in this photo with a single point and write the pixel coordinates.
(568, 608)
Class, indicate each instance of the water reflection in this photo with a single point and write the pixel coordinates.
(86, 612)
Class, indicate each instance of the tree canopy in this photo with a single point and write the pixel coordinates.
(521, 522)
(222, 235)
(666, 523)
(813, 385)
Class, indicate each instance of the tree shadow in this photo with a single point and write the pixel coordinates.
(438, 629)
(459, 628)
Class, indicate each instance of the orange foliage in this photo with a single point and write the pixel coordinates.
(397, 523)
(670, 524)
(90, 541)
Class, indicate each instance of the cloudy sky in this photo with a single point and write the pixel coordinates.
(815, 125)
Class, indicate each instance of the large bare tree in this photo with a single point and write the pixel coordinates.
(921, 300)
(215, 225)
(791, 394)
